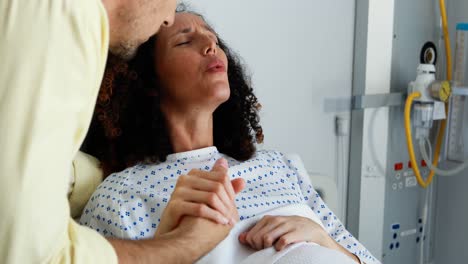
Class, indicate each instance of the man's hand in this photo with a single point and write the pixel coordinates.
(191, 240)
(203, 194)
(198, 236)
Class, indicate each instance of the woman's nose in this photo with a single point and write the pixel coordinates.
(210, 47)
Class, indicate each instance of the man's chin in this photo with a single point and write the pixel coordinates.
(124, 51)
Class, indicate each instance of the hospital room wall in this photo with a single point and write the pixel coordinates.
(452, 210)
(300, 55)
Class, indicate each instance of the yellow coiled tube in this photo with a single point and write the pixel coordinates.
(409, 101)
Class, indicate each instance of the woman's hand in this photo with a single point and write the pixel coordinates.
(281, 231)
(206, 194)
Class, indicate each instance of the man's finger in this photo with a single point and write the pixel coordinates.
(202, 210)
(226, 194)
(208, 198)
(201, 183)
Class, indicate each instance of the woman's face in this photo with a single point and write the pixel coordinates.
(190, 65)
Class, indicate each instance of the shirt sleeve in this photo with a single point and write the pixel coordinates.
(53, 55)
(86, 176)
(330, 221)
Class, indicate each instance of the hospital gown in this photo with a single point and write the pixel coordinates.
(129, 204)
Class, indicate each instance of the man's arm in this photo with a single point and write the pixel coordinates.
(53, 55)
(190, 241)
(86, 175)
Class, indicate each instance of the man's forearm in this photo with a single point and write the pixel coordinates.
(164, 249)
(190, 241)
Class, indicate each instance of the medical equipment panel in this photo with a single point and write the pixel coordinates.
(457, 138)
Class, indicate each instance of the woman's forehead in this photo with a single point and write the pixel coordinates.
(188, 19)
(185, 23)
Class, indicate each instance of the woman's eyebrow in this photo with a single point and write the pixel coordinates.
(183, 31)
(210, 29)
(190, 29)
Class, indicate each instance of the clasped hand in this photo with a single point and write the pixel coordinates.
(205, 194)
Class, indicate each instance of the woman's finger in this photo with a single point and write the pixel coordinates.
(225, 179)
(243, 238)
(270, 238)
(269, 234)
(252, 233)
(287, 239)
(221, 165)
(238, 184)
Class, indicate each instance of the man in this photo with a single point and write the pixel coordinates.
(53, 56)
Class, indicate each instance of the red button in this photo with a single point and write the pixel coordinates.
(409, 165)
(423, 163)
(398, 166)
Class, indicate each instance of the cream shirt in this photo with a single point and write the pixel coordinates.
(52, 55)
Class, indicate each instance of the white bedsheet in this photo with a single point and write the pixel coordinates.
(231, 251)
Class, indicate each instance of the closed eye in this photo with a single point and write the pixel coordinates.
(183, 43)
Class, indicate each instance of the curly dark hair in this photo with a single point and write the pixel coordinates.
(128, 126)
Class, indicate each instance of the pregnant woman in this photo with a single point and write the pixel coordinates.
(180, 107)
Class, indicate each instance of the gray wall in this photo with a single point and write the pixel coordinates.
(452, 205)
(415, 22)
(300, 54)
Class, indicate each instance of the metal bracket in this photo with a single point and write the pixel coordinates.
(377, 100)
(460, 91)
